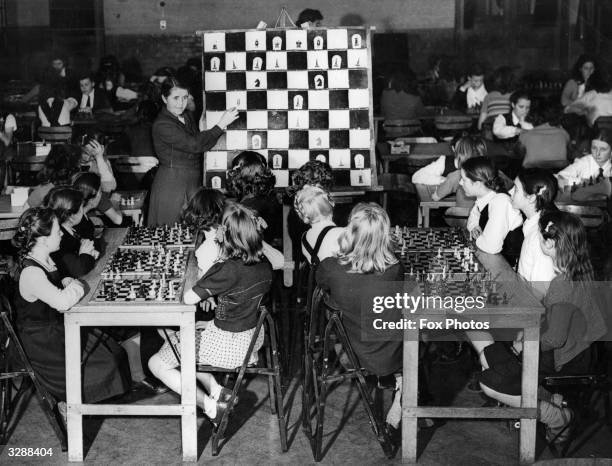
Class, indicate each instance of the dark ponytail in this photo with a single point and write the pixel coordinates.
(483, 169)
(542, 184)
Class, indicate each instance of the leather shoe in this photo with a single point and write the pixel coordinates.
(221, 408)
(154, 386)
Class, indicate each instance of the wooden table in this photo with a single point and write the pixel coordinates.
(524, 311)
(340, 197)
(95, 314)
(426, 203)
(135, 211)
(420, 154)
(8, 211)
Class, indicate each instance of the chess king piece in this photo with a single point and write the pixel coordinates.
(215, 63)
(277, 161)
(277, 43)
(356, 41)
(318, 43)
(319, 81)
(256, 141)
(321, 158)
(215, 182)
(298, 102)
(359, 161)
(336, 62)
(257, 63)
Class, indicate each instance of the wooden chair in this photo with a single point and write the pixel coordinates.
(324, 328)
(400, 128)
(450, 125)
(456, 216)
(8, 228)
(591, 216)
(12, 397)
(55, 134)
(395, 183)
(584, 394)
(604, 122)
(131, 171)
(271, 369)
(24, 172)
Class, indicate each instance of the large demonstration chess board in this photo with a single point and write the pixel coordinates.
(301, 95)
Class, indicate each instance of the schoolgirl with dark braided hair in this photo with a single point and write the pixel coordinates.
(42, 297)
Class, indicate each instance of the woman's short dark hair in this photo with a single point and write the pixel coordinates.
(204, 210)
(582, 59)
(88, 183)
(171, 83)
(61, 163)
(483, 169)
(65, 202)
(250, 176)
(542, 184)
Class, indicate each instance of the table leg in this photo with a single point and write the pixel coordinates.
(73, 388)
(287, 248)
(529, 398)
(189, 427)
(426, 217)
(420, 216)
(410, 395)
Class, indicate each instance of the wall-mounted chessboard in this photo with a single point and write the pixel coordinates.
(301, 95)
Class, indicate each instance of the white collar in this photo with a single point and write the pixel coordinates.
(531, 223)
(483, 201)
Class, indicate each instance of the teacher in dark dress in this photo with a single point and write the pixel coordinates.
(179, 143)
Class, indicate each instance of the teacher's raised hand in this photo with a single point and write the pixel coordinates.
(228, 117)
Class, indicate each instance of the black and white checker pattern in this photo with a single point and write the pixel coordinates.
(301, 95)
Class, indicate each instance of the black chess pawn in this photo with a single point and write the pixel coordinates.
(600, 175)
(590, 181)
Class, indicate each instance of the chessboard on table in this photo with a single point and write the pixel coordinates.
(175, 236)
(458, 265)
(151, 290)
(150, 262)
(429, 239)
(301, 95)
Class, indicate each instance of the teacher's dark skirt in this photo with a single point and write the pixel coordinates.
(172, 188)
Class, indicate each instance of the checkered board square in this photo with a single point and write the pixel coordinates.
(301, 95)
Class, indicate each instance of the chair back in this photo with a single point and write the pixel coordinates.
(398, 182)
(453, 122)
(55, 133)
(24, 172)
(591, 216)
(604, 122)
(129, 164)
(456, 216)
(8, 228)
(400, 128)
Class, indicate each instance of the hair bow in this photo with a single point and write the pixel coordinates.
(550, 223)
